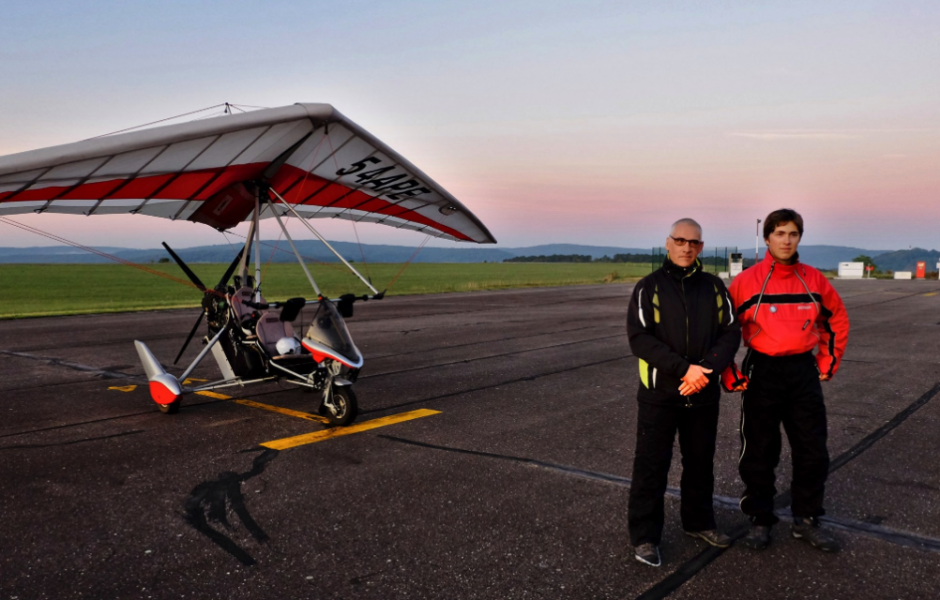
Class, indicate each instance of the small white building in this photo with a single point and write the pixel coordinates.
(851, 270)
(735, 264)
(903, 275)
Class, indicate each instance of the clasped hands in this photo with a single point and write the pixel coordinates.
(694, 380)
(742, 386)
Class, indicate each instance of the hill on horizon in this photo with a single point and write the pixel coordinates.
(906, 260)
(820, 256)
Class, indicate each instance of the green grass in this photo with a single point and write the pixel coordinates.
(45, 290)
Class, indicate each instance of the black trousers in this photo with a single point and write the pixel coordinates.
(783, 390)
(656, 428)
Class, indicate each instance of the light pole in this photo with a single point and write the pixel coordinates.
(757, 241)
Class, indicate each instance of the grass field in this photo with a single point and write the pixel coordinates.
(30, 290)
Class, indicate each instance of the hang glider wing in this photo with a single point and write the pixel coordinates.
(206, 171)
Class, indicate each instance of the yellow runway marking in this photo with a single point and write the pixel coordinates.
(277, 409)
(123, 388)
(307, 438)
(327, 434)
(283, 411)
(215, 395)
(931, 293)
(189, 380)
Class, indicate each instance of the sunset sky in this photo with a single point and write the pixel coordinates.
(580, 122)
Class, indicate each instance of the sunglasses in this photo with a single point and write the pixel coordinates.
(682, 242)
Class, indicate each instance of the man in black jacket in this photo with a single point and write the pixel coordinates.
(683, 329)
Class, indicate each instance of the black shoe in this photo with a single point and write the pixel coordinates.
(648, 554)
(809, 531)
(712, 536)
(758, 538)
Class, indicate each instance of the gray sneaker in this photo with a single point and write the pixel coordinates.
(648, 554)
(712, 536)
(809, 531)
(757, 538)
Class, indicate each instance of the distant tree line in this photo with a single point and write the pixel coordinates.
(553, 258)
(630, 258)
(586, 258)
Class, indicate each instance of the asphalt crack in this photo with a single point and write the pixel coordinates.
(58, 362)
(692, 567)
(874, 530)
(491, 356)
(494, 340)
(71, 442)
(496, 385)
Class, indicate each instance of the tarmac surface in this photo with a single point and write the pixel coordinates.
(511, 481)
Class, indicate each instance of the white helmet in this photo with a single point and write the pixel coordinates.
(288, 345)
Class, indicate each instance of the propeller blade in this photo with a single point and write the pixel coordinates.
(191, 334)
(192, 276)
(231, 268)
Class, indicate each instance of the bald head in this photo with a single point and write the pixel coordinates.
(686, 222)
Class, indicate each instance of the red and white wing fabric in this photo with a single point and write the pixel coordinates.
(206, 171)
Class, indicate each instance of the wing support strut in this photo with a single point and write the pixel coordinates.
(300, 259)
(257, 247)
(322, 239)
(246, 252)
(202, 355)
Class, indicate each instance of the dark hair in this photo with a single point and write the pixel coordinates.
(782, 217)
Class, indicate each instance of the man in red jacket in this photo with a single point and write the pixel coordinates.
(786, 309)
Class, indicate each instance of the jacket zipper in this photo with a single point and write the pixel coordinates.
(761, 299)
(685, 305)
(808, 293)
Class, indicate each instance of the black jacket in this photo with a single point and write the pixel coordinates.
(677, 317)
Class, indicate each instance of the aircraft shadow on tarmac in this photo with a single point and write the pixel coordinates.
(209, 504)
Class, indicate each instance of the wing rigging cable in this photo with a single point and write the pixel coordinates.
(275, 248)
(206, 171)
(111, 257)
(408, 262)
(352, 221)
(362, 252)
(180, 116)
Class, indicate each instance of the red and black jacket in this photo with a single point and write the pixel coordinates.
(789, 309)
(677, 317)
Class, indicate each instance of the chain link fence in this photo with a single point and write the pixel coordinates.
(714, 259)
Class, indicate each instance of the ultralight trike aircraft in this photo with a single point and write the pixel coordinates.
(304, 161)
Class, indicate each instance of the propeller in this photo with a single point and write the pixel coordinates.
(189, 273)
(231, 268)
(198, 283)
(190, 336)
